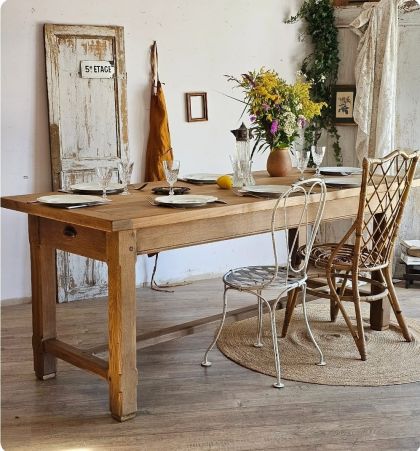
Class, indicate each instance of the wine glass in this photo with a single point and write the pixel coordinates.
(125, 169)
(318, 153)
(104, 175)
(171, 169)
(302, 158)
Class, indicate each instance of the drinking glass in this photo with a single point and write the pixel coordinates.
(125, 169)
(104, 175)
(302, 158)
(318, 153)
(171, 169)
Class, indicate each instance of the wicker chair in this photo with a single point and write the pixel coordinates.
(284, 279)
(385, 186)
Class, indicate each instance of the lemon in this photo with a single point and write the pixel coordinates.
(225, 182)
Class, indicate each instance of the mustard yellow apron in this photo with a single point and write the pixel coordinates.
(159, 143)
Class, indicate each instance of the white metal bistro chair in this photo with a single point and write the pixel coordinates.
(300, 208)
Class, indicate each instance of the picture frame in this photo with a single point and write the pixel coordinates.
(196, 106)
(343, 97)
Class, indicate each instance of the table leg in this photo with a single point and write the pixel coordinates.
(380, 311)
(44, 298)
(122, 373)
(293, 241)
(293, 246)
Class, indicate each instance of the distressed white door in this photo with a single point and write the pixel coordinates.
(88, 128)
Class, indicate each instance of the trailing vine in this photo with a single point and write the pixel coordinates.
(321, 68)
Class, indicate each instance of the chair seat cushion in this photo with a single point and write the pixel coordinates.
(256, 277)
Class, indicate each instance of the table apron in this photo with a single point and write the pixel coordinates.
(92, 243)
(173, 236)
(72, 238)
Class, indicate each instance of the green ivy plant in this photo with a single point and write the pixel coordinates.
(321, 68)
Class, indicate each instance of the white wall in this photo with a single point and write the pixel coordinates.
(199, 41)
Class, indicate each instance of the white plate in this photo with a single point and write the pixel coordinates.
(185, 200)
(202, 177)
(348, 182)
(66, 200)
(340, 170)
(96, 188)
(266, 190)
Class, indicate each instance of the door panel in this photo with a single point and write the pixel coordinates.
(88, 128)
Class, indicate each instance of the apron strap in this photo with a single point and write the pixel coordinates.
(154, 63)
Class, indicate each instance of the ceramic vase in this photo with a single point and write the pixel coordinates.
(279, 163)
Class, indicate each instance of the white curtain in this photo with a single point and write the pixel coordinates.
(376, 77)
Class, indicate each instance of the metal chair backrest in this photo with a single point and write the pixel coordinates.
(384, 191)
(303, 214)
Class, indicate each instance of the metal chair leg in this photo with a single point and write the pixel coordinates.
(278, 383)
(308, 327)
(205, 361)
(259, 343)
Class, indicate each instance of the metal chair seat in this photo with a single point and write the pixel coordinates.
(260, 277)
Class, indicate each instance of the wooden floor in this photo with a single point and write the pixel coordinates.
(183, 406)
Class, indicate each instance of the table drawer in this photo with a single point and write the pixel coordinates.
(73, 238)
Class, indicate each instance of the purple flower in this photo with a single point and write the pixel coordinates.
(301, 121)
(252, 118)
(265, 106)
(274, 127)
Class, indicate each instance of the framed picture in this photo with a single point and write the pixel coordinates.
(196, 103)
(343, 104)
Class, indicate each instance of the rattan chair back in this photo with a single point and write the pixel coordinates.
(385, 186)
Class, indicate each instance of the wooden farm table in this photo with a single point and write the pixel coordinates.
(115, 234)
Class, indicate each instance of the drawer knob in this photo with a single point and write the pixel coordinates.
(70, 231)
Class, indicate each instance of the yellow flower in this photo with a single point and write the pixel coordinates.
(270, 99)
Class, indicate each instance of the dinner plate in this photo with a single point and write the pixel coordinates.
(340, 170)
(67, 200)
(95, 188)
(201, 178)
(346, 182)
(185, 200)
(266, 190)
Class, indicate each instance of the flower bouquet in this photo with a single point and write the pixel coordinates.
(278, 110)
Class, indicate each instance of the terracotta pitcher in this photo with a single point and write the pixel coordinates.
(279, 163)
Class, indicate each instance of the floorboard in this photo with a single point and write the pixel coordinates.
(183, 406)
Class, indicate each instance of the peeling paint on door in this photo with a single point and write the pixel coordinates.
(88, 127)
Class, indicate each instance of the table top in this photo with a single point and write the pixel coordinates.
(135, 212)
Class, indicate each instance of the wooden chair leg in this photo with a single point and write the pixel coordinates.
(392, 296)
(333, 305)
(346, 317)
(333, 310)
(360, 342)
(290, 306)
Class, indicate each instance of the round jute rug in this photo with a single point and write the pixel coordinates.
(390, 359)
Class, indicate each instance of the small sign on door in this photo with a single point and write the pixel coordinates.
(97, 69)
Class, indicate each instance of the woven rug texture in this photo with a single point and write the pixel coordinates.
(390, 359)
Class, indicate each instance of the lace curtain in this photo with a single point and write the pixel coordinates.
(376, 76)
